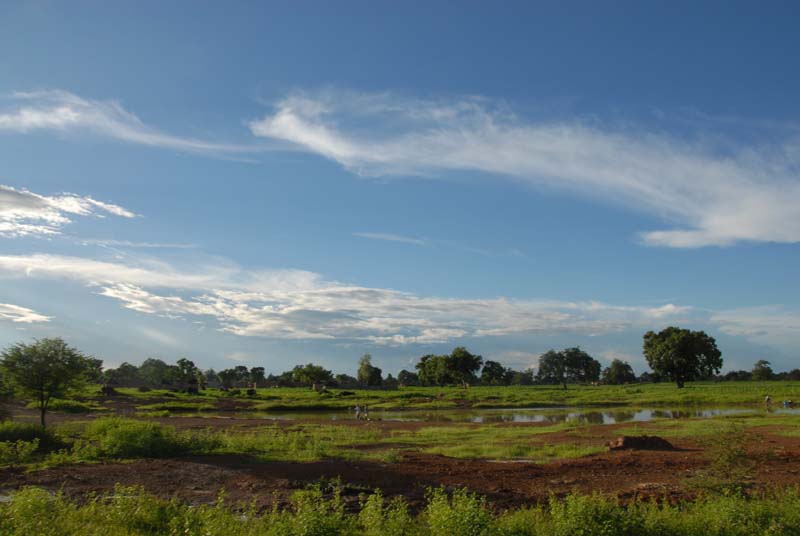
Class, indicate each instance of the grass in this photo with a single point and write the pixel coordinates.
(641, 395)
(131, 511)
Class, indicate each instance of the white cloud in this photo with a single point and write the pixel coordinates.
(771, 324)
(288, 304)
(24, 213)
(22, 315)
(713, 198)
(64, 112)
(388, 237)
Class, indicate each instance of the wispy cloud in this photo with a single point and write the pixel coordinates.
(291, 304)
(136, 245)
(770, 324)
(22, 315)
(24, 213)
(64, 112)
(388, 237)
(712, 196)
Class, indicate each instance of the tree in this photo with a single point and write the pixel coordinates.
(154, 373)
(571, 365)
(494, 373)
(43, 370)
(462, 365)
(185, 373)
(682, 355)
(524, 377)
(346, 381)
(368, 374)
(762, 371)
(433, 370)
(126, 375)
(407, 378)
(257, 376)
(618, 372)
(310, 374)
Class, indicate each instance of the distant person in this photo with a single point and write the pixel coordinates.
(366, 412)
(767, 400)
(358, 413)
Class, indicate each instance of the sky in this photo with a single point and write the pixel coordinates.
(277, 183)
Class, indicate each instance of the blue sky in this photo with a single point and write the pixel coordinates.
(278, 183)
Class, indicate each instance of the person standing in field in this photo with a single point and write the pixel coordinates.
(358, 413)
(768, 400)
(366, 412)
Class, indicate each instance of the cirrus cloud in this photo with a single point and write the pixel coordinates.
(24, 213)
(712, 197)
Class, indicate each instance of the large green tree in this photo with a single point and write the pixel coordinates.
(494, 373)
(432, 370)
(310, 374)
(463, 364)
(682, 355)
(618, 372)
(762, 371)
(46, 369)
(368, 374)
(571, 365)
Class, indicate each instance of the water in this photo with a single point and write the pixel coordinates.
(523, 415)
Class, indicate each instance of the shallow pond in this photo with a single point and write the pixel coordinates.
(609, 415)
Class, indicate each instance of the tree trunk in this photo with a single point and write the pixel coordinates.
(42, 411)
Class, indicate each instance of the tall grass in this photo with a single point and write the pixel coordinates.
(131, 511)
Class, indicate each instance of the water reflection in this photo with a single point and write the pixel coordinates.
(525, 415)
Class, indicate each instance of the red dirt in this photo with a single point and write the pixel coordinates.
(623, 473)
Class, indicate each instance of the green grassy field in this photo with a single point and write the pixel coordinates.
(300, 399)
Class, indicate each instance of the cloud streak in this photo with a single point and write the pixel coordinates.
(388, 237)
(24, 213)
(711, 197)
(64, 112)
(289, 304)
(21, 315)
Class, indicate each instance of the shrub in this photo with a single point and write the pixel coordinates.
(126, 438)
(21, 431)
(462, 514)
(17, 452)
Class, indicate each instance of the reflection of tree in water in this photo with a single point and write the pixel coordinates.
(555, 418)
(594, 417)
(622, 416)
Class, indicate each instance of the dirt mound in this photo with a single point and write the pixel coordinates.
(640, 443)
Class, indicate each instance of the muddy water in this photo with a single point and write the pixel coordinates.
(522, 415)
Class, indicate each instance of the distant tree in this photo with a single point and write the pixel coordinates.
(155, 373)
(310, 374)
(126, 375)
(571, 365)
(368, 374)
(494, 373)
(682, 355)
(462, 365)
(390, 382)
(212, 378)
(346, 381)
(227, 377)
(762, 371)
(618, 372)
(257, 376)
(433, 370)
(46, 369)
(522, 377)
(94, 373)
(407, 378)
(737, 376)
(793, 375)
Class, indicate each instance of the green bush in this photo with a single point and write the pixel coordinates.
(127, 438)
(462, 514)
(21, 431)
(17, 452)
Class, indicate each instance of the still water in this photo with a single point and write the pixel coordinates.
(523, 415)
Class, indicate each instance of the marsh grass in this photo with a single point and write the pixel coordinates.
(131, 511)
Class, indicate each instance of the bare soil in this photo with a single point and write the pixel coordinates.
(626, 473)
